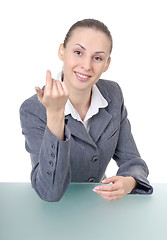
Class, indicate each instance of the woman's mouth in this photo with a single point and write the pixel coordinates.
(82, 77)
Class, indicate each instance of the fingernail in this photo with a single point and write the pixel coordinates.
(94, 190)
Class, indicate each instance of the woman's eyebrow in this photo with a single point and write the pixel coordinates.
(80, 46)
(85, 48)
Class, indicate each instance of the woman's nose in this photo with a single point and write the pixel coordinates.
(87, 63)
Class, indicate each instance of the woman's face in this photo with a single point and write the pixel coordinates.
(86, 56)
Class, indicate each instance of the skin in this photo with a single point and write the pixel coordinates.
(85, 58)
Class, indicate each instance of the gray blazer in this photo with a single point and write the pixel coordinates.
(83, 156)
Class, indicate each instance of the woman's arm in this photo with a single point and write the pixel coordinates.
(132, 172)
(50, 155)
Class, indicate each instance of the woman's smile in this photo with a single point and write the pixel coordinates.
(82, 77)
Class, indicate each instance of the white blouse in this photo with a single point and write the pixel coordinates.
(97, 102)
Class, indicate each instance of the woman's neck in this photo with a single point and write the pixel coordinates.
(81, 101)
(79, 98)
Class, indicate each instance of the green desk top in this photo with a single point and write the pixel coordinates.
(81, 214)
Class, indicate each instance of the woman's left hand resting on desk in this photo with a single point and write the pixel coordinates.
(120, 187)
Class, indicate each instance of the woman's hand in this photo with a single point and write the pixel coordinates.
(120, 187)
(55, 94)
(54, 98)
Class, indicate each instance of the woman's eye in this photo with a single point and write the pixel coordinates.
(77, 52)
(98, 58)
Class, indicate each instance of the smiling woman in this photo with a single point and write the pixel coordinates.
(77, 123)
(85, 57)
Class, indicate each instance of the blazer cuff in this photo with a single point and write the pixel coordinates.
(142, 188)
(67, 134)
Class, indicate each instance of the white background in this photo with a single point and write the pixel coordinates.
(30, 34)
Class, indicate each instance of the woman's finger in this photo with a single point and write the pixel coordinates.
(49, 83)
(110, 179)
(59, 87)
(110, 195)
(106, 187)
(65, 89)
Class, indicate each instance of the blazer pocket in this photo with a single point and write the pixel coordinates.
(114, 132)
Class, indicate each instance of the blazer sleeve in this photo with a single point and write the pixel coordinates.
(50, 157)
(128, 158)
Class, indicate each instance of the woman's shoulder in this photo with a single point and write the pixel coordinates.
(32, 105)
(110, 89)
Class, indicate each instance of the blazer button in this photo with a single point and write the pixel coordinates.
(50, 163)
(53, 146)
(92, 179)
(95, 159)
(52, 155)
(49, 173)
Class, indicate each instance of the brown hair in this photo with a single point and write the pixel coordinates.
(89, 23)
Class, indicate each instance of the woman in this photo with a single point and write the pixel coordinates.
(78, 122)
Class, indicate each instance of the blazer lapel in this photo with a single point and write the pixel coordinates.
(97, 126)
(78, 130)
(98, 123)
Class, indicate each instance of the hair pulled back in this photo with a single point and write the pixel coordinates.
(89, 23)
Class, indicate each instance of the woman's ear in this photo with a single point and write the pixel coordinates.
(107, 64)
(61, 52)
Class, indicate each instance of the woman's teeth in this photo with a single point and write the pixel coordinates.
(82, 76)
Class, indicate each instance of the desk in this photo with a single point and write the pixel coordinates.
(81, 215)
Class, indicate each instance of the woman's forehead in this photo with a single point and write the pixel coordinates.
(89, 37)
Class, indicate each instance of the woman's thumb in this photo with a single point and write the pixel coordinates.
(39, 93)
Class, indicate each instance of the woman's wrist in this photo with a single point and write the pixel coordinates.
(55, 123)
(131, 183)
